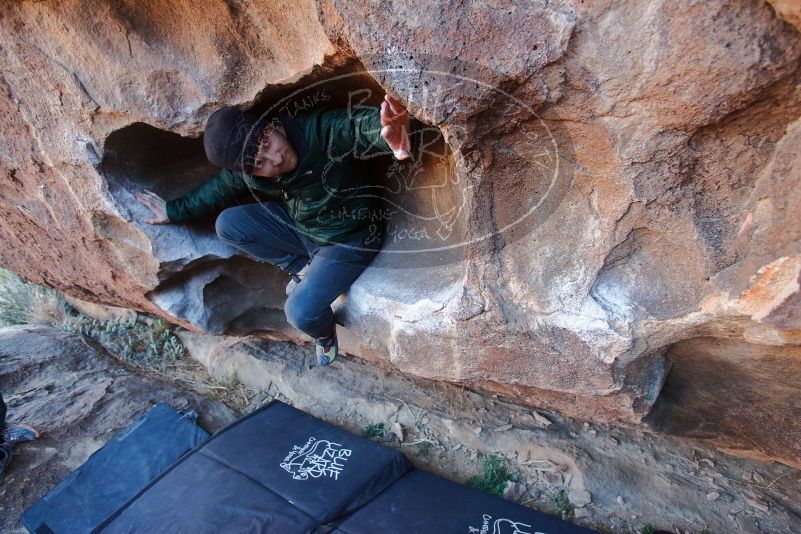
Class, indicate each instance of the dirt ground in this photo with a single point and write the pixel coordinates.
(610, 479)
(79, 397)
(607, 478)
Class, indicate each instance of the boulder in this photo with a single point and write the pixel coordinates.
(604, 180)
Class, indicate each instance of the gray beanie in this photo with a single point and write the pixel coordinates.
(231, 136)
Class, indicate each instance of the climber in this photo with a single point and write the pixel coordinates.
(317, 225)
(10, 435)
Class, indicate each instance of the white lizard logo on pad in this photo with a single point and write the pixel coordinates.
(502, 526)
(316, 459)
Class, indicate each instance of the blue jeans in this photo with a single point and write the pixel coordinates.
(266, 232)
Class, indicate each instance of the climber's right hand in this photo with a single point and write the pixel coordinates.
(155, 204)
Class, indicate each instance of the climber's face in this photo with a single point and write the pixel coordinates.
(275, 155)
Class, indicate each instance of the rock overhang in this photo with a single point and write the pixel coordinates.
(665, 223)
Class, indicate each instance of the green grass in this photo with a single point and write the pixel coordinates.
(374, 431)
(24, 302)
(649, 529)
(562, 502)
(493, 476)
(146, 341)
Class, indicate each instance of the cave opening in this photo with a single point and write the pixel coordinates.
(217, 288)
(425, 205)
(201, 280)
(740, 396)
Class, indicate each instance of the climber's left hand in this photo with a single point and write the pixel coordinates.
(395, 126)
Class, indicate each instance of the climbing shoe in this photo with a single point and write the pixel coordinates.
(14, 433)
(326, 349)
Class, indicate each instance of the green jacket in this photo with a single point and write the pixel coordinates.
(328, 195)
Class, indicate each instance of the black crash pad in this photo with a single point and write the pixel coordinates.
(422, 503)
(275, 470)
(115, 473)
(201, 496)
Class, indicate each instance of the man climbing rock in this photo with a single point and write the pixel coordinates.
(320, 222)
